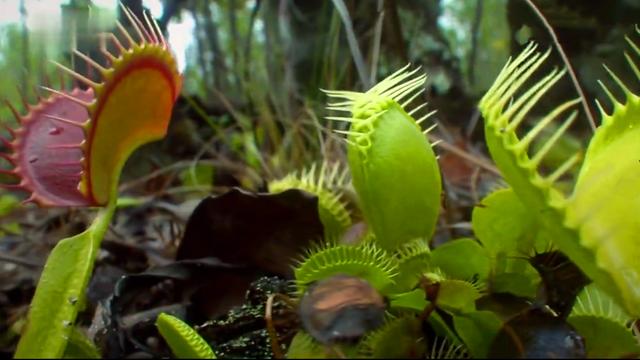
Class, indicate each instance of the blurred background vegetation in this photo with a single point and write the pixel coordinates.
(251, 106)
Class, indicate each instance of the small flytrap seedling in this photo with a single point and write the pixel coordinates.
(69, 150)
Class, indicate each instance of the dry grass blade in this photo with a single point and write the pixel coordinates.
(353, 41)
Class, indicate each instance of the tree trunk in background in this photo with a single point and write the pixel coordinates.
(24, 76)
(235, 46)
(211, 29)
(201, 50)
(80, 36)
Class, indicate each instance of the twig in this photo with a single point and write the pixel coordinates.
(273, 335)
(185, 164)
(19, 261)
(465, 155)
(565, 59)
(474, 42)
(376, 42)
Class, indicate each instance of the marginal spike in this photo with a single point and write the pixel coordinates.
(11, 132)
(621, 84)
(632, 64)
(34, 89)
(8, 172)
(413, 97)
(82, 125)
(435, 143)
(537, 158)
(347, 132)
(408, 87)
(90, 61)
(345, 139)
(133, 22)
(338, 108)
(104, 49)
(67, 96)
(162, 39)
(115, 40)
(633, 45)
(540, 125)
(563, 169)
(609, 94)
(389, 83)
(126, 34)
(75, 75)
(516, 79)
(342, 94)
(600, 108)
(31, 199)
(339, 118)
(13, 186)
(405, 87)
(8, 158)
(422, 119)
(6, 142)
(519, 109)
(394, 75)
(148, 37)
(151, 28)
(417, 109)
(16, 115)
(428, 130)
(348, 103)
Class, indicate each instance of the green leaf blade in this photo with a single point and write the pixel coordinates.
(61, 291)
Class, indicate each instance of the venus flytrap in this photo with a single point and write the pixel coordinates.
(325, 183)
(393, 166)
(605, 326)
(597, 226)
(69, 150)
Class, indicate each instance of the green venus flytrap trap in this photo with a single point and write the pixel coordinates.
(597, 225)
(393, 167)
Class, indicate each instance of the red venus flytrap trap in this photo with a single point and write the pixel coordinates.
(69, 150)
(71, 146)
